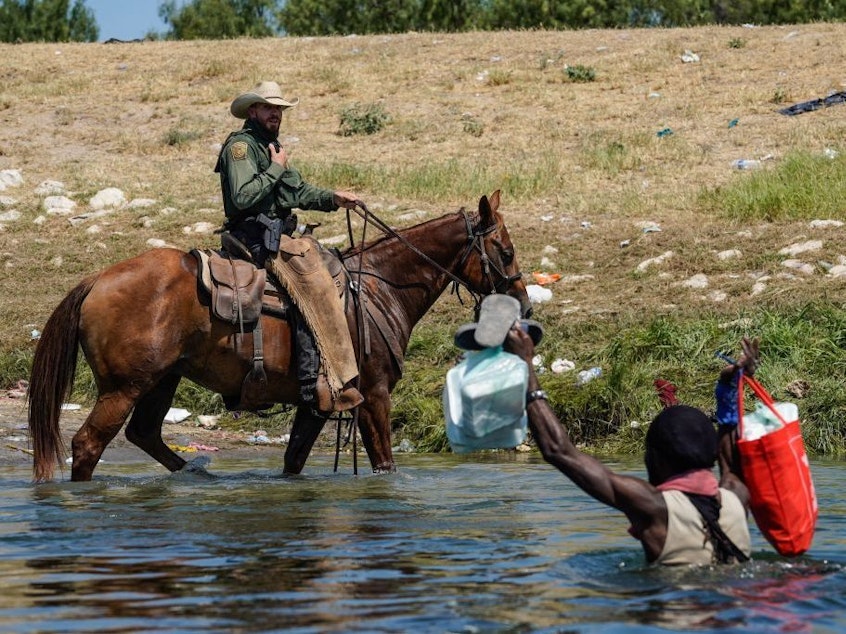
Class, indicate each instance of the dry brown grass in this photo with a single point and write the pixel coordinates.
(96, 116)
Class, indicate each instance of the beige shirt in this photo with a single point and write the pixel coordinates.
(687, 538)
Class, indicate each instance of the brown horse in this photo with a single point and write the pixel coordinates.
(144, 323)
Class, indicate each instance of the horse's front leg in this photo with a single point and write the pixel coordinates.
(304, 432)
(374, 424)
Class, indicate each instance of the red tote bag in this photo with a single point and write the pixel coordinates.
(778, 476)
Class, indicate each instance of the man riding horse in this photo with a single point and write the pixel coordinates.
(260, 190)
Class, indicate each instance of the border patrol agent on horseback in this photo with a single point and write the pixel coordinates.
(260, 190)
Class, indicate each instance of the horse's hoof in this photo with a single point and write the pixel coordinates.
(385, 468)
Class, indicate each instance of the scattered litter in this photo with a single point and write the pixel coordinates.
(814, 104)
(651, 229)
(21, 449)
(662, 133)
(71, 407)
(829, 153)
(176, 415)
(207, 421)
(182, 448)
(201, 447)
(404, 446)
(545, 278)
(654, 95)
(538, 294)
(746, 164)
(586, 224)
(547, 217)
(549, 250)
(625, 243)
(537, 363)
(689, 57)
(586, 376)
(559, 366)
(733, 123)
(258, 438)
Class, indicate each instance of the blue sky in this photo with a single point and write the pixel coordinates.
(126, 19)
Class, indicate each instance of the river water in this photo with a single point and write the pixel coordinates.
(477, 543)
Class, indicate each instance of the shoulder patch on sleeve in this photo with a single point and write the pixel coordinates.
(238, 150)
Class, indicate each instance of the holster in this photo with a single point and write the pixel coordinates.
(274, 228)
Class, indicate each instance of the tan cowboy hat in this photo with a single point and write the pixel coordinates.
(262, 92)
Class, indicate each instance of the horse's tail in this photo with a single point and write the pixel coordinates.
(51, 379)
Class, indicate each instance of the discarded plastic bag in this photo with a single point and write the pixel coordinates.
(484, 401)
(777, 474)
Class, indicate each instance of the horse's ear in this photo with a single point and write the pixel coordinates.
(488, 207)
(494, 200)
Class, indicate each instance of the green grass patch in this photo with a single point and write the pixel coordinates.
(803, 186)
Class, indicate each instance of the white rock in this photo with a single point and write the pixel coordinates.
(93, 229)
(824, 224)
(801, 247)
(717, 296)
(50, 188)
(156, 243)
(549, 250)
(700, 280)
(546, 263)
(538, 294)
(728, 254)
(10, 178)
(758, 288)
(575, 279)
(39, 220)
(689, 57)
(798, 265)
(654, 261)
(838, 270)
(7, 201)
(59, 205)
(136, 203)
(10, 216)
(200, 227)
(57, 261)
(109, 197)
(412, 216)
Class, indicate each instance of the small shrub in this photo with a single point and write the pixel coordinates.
(360, 118)
(177, 136)
(472, 126)
(779, 96)
(499, 78)
(579, 73)
(737, 42)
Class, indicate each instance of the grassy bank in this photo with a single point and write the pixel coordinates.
(620, 179)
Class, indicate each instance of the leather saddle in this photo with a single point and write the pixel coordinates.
(239, 294)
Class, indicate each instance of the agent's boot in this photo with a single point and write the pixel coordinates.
(347, 399)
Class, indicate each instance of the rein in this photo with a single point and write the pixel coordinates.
(475, 242)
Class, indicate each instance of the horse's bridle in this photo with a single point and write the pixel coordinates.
(475, 242)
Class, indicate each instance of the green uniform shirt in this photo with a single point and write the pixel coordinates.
(252, 184)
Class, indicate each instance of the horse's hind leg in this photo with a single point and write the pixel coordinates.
(304, 433)
(101, 426)
(145, 426)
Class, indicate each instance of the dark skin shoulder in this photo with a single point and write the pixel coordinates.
(641, 502)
